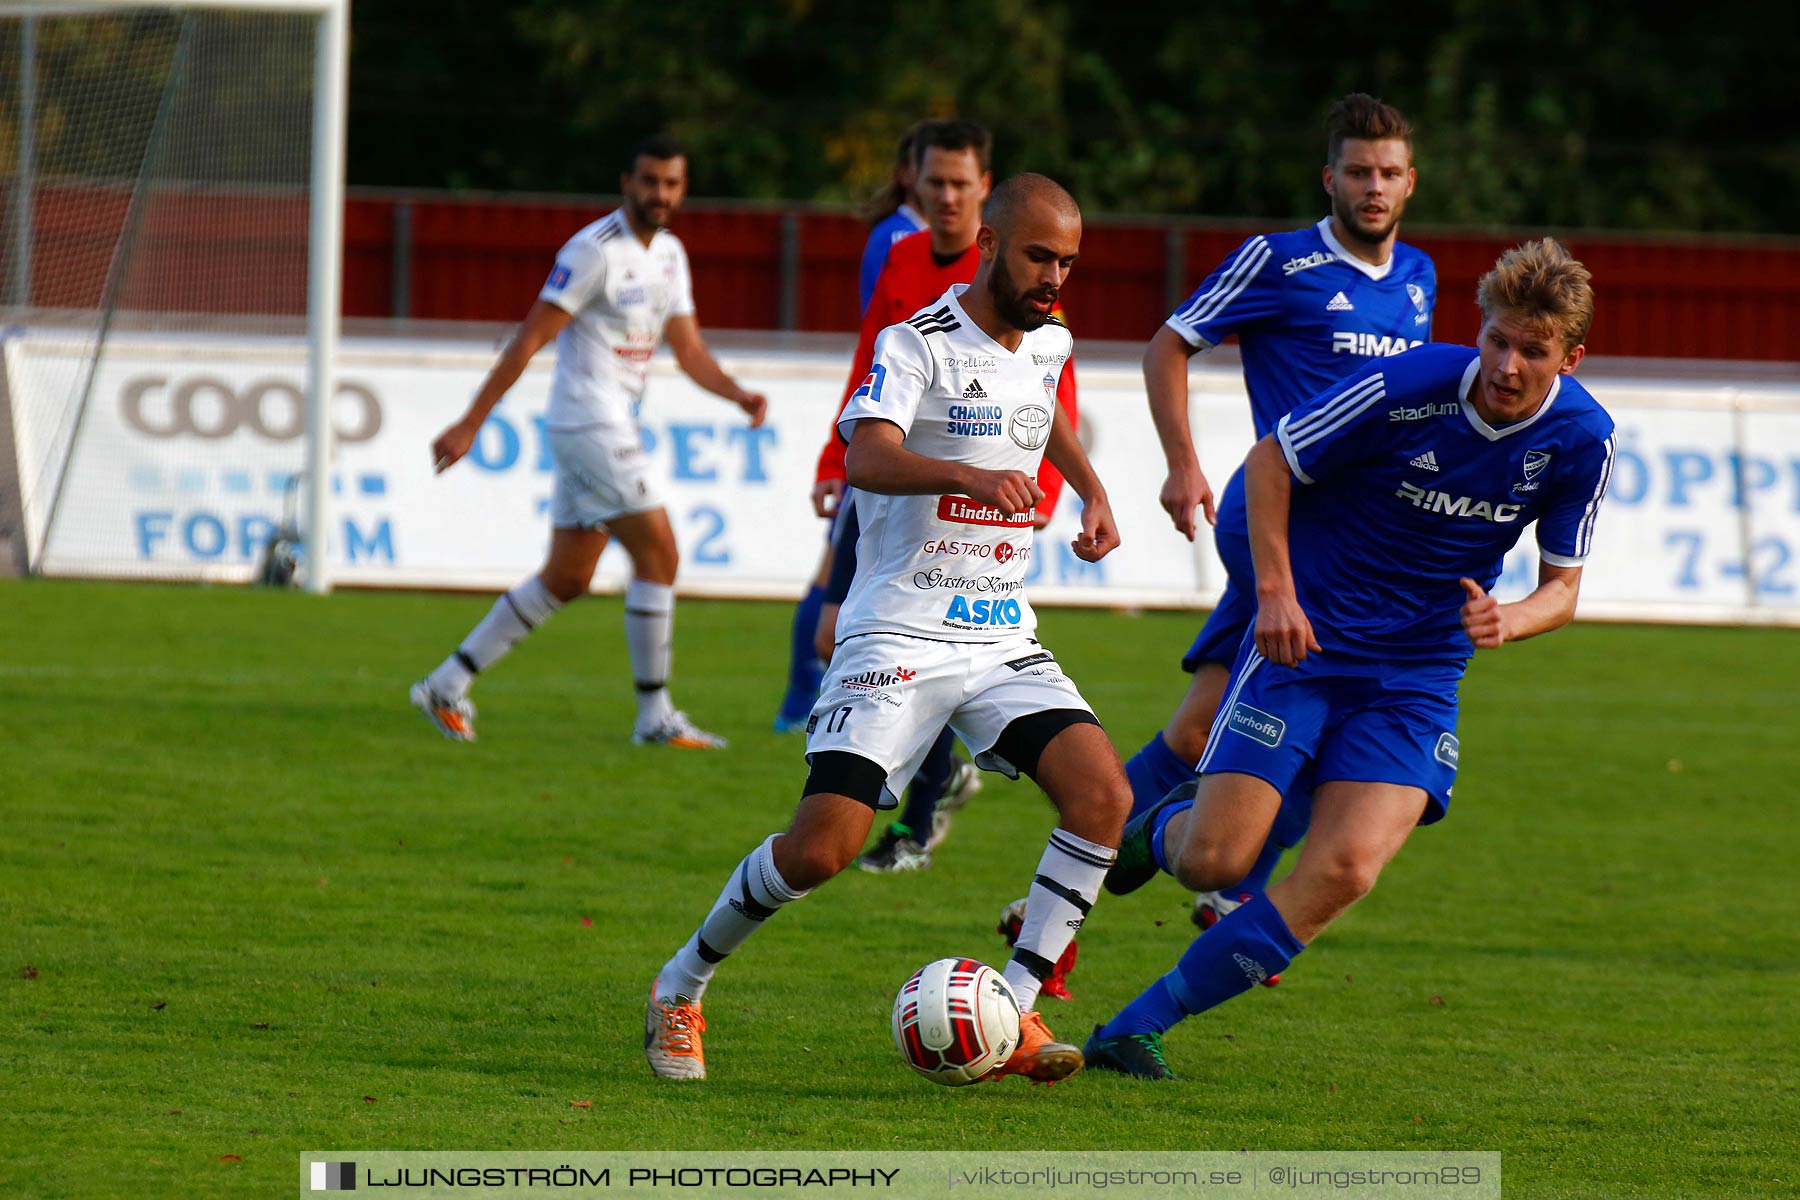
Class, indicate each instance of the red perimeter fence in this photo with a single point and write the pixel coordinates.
(441, 256)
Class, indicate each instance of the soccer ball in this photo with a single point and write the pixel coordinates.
(955, 1020)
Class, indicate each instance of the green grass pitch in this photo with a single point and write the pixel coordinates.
(251, 904)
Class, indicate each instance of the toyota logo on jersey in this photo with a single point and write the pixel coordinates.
(1030, 427)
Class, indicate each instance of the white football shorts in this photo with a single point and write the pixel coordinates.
(601, 473)
(886, 696)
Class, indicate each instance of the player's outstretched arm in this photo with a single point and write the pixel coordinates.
(1166, 382)
(1551, 605)
(543, 322)
(1284, 635)
(878, 461)
(1099, 534)
(697, 362)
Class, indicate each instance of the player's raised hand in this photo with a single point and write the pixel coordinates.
(451, 445)
(1283, 633)
(1482, 619)
(1012, 492)
(1182, 492)
(755, 406)
(1099, 536)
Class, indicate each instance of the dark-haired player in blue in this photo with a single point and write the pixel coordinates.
(1308, 308)
(1380, 511)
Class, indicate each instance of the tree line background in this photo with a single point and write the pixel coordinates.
(1571, 113)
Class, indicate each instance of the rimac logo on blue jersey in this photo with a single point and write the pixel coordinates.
(559, 277)
(871, 384)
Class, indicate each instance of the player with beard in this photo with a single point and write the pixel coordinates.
(618, 288)
(1308, 308)
(945, 435)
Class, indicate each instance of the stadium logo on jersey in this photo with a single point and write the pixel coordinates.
(1030, 427)
(1258, 725)
(1416, 294)
(1317, 258)
(1340, 303)
(1424, 412)
(1458, 506)
(871, 385)
(1370, 345)
(965, 511)
(1448, 749)
(559, 277)
(1426, 461)
(982, 612)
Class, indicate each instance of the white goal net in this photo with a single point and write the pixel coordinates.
(158, 184)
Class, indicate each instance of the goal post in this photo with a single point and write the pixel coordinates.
(172, 170)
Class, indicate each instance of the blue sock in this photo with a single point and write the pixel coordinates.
(1154, 772)
(1160, 828)
(1257, 881)
(804, 668)
(928, 785)
(1248, 946)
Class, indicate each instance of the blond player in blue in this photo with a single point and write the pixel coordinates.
(1379, 514)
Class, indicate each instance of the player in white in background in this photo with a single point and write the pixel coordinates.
(945, 436)
(619, 287)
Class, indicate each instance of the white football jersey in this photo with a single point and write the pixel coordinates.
(947, 567)
(619, 293)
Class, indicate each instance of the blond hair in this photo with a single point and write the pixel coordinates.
(1543, 285)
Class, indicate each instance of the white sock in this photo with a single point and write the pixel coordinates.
(515, 614)
(1068, 881)
(649, 626)
(751, 896)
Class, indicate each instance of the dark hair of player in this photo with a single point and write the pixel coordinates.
(1011, 195)
(1364, 118)
(887, 201)
(659, 146)
(953, 135)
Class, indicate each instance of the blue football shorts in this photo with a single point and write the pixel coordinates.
(1341, 719)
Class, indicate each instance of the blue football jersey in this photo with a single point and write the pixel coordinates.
(890, 229)
(1307, 313)
(1402, 489)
